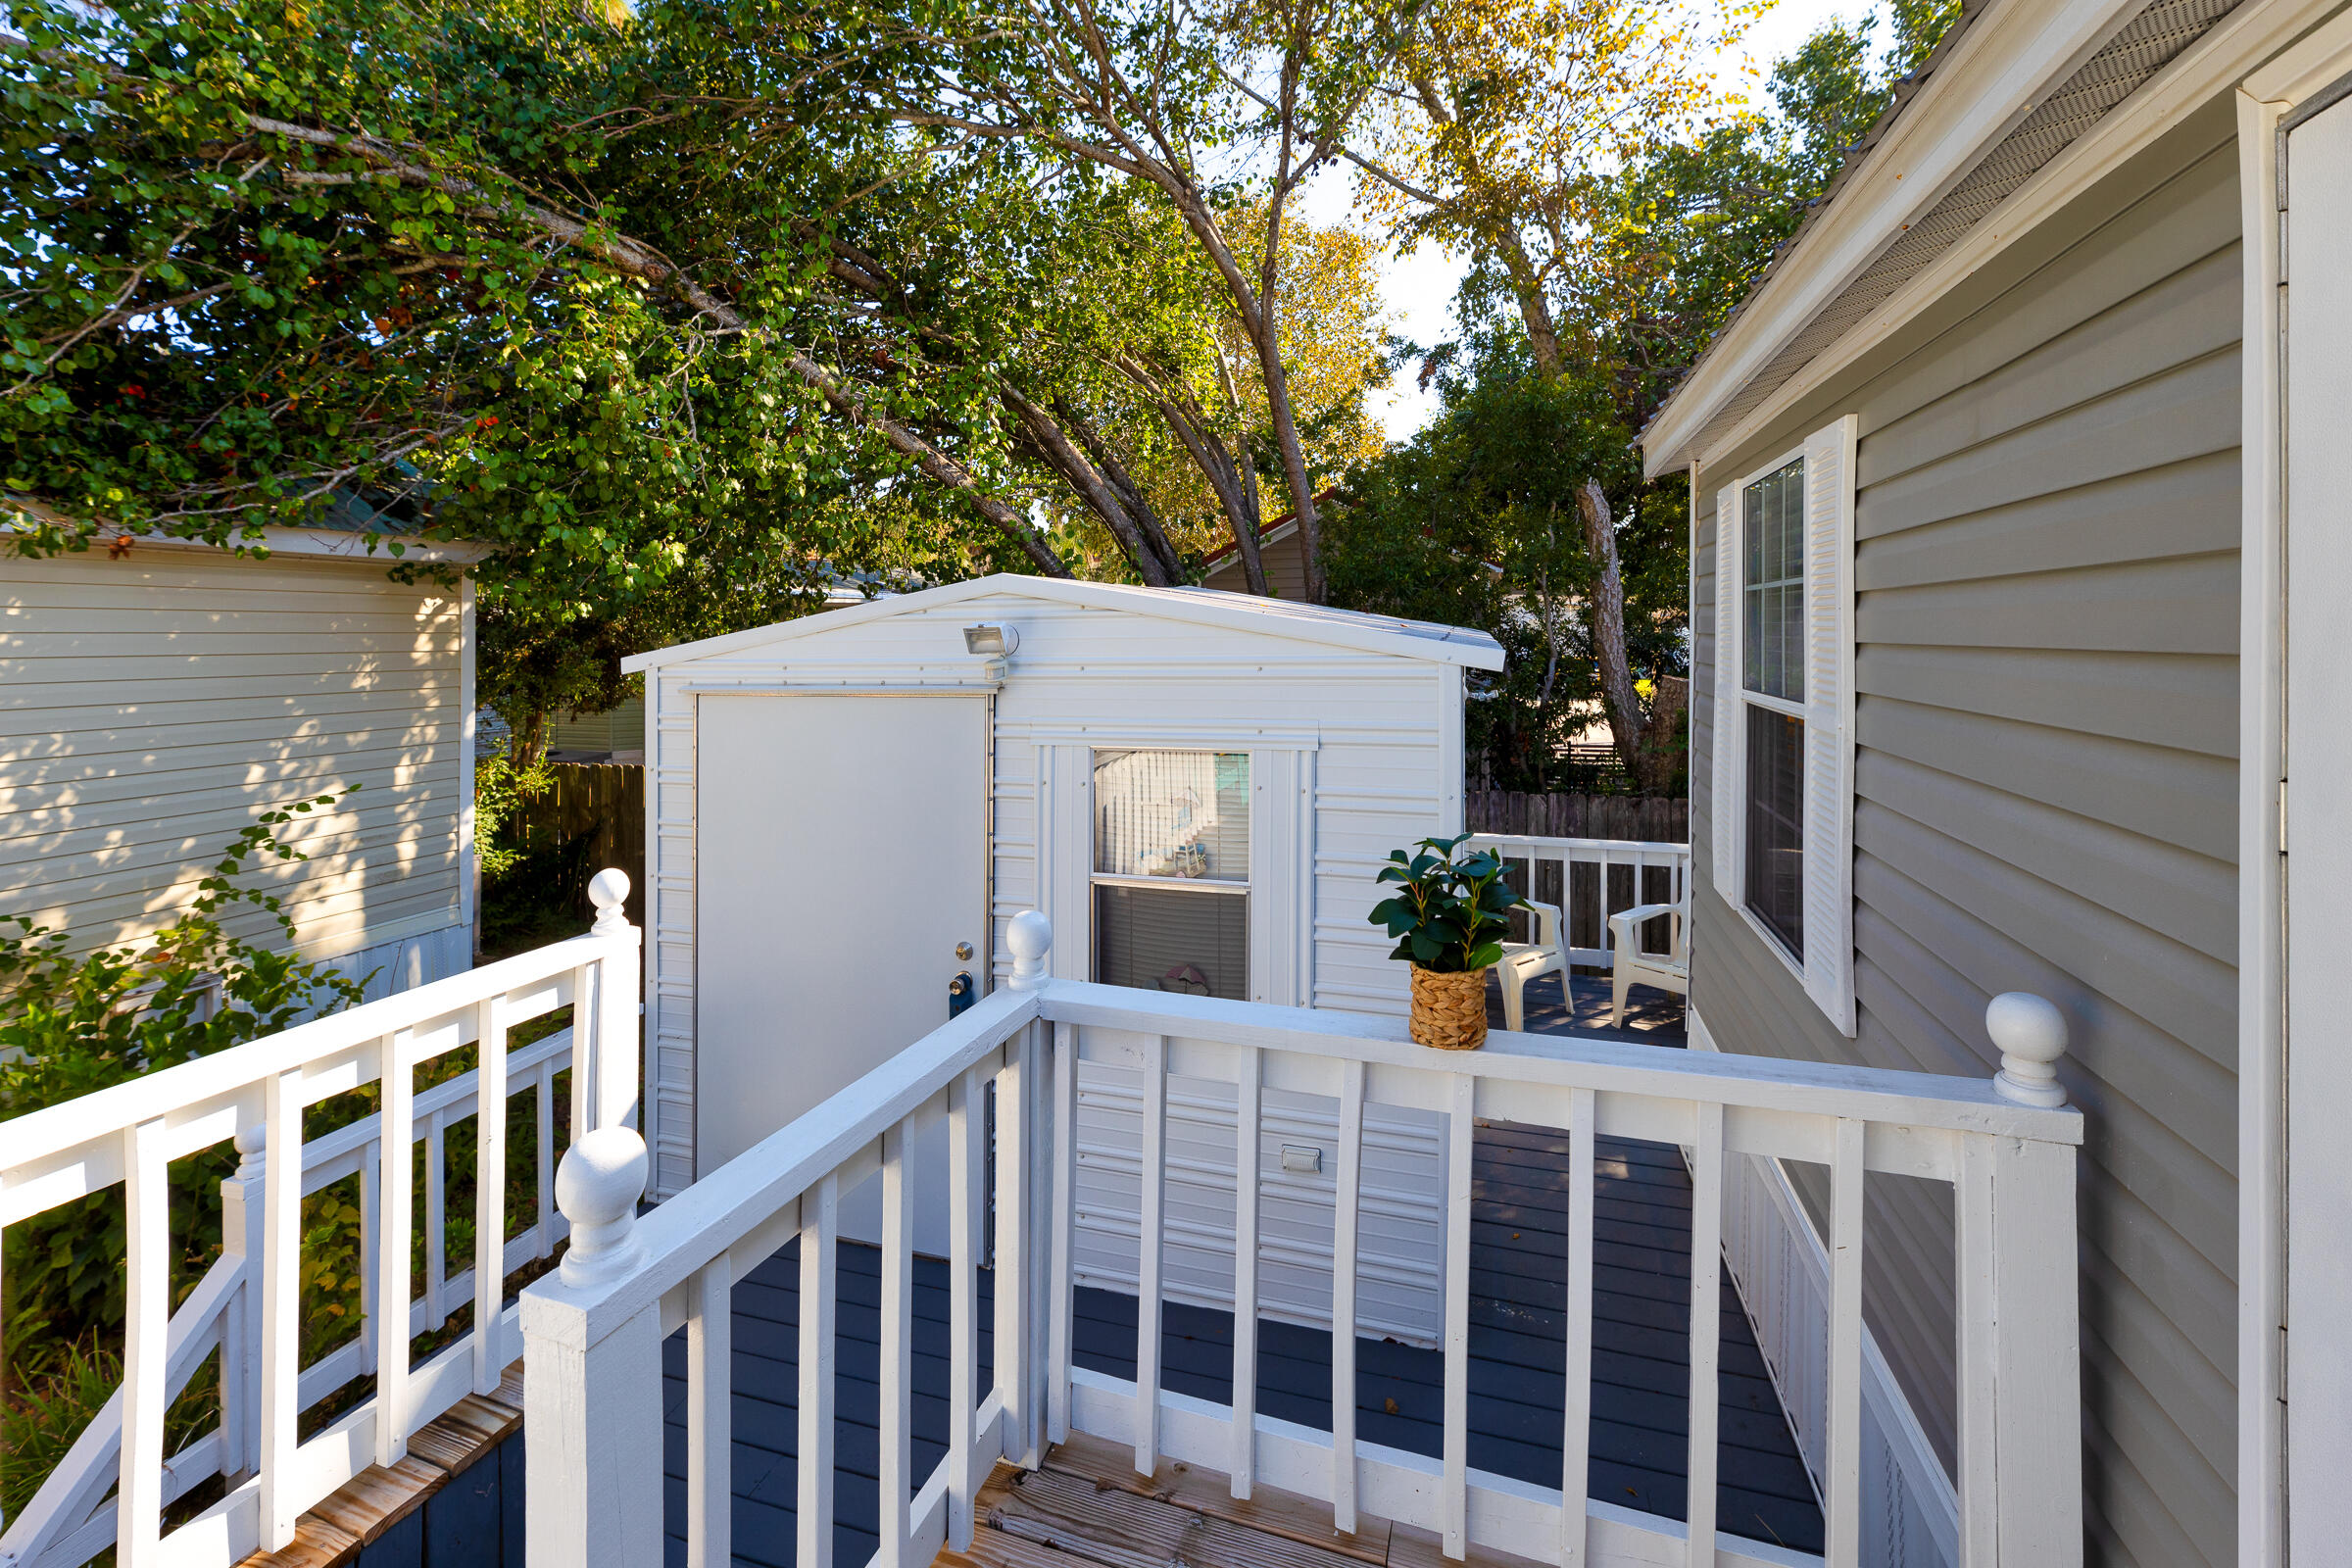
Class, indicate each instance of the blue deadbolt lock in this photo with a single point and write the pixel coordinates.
(960, 994)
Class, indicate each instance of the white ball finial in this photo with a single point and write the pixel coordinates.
(2029, 1031)
(609, 890)
(1030, 936)
(597, 1188)
(252, 1144)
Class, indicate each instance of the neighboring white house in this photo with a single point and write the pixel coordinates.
(1197, 789)
(163, 694)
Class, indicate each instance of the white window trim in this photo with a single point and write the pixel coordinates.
(1827, 971)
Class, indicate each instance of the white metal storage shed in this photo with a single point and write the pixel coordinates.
(1194, 787)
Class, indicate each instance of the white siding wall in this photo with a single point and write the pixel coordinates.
(156, 704)
(1352, 754)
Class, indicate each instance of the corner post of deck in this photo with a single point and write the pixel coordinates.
(2021, 1417)
(618, 1023)
(592, 1376)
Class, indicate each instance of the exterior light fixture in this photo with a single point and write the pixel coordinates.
(994, 641)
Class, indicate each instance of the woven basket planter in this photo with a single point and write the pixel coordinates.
(1450, 1010)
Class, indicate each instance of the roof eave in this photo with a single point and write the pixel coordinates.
(1998, 69)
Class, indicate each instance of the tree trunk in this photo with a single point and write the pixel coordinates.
(1122, 484)
(530, 740)
(1051, 445)
(1605, 610)
(1235, 486)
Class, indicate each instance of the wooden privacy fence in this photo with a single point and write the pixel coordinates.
(606, 800)
(1644, 819)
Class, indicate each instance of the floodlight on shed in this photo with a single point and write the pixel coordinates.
(993, 640)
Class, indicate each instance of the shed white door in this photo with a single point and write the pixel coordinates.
(841, 856)
(2318, 827)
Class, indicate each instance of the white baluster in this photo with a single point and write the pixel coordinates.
(1059, 1286)
(1461, 1134)
(1152, 1253)
(1247, 1099)
(1345, 1213)
(489, 1195)
(395, 1214)
(147, 1317)
(1706, 1324)
(241, 1323)
(1843, 1479)
(966, 1194)
(436, 1218)
(896, 1470)
(1016, 1252)
(821, 1225)
(281, 1306)
(709, 1426)
(1576, 1431)
(597, 1187)
(2029, 1031)
(542, 1229)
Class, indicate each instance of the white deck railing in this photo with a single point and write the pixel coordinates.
(248, 1305)
(594, 1332)
(1588, 892)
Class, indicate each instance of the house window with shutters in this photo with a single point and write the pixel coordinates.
(1781, 815)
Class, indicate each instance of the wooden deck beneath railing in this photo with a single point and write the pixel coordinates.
(1087, 1506)
(1639, 1366)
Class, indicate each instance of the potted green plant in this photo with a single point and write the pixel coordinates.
(1449, 914)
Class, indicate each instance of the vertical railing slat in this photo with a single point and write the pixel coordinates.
(966, 1190)
(395, 1213)
(544, 1179)
(281, 1304)
(1576, 1431)
(1342, 1297)
(1016, 1127)
(1059, 1283)
(437, 1219)
(821, 1226)
(897, 1465)
(146, 1326)
(1247, 1099)
(583, 1049)
(371, 1225)
(1706, 1324)
(1152, 1254)
(489, 1195)
(709, 1426)
(1461, 1134)
(1842, 1472)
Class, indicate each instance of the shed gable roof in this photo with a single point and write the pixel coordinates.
(1271, 617)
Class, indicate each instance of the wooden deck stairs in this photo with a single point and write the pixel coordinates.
(1087, 1507)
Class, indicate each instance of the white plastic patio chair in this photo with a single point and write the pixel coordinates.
(1522, 961)
(1630, 964)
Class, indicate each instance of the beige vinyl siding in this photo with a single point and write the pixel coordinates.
(621, 730)
(1284, 560)
(156, 704)
(2046, 794)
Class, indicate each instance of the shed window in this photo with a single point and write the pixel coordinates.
(1171, 879)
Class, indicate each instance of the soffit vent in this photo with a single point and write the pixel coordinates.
(2145, 46)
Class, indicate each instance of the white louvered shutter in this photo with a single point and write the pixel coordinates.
(1729, 791)
(1829, 800)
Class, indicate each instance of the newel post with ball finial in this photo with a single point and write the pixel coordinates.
(2019, 1301)
(608, 1091)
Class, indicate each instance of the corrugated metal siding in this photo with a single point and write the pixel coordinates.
(154, 705)
(2045, 799)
